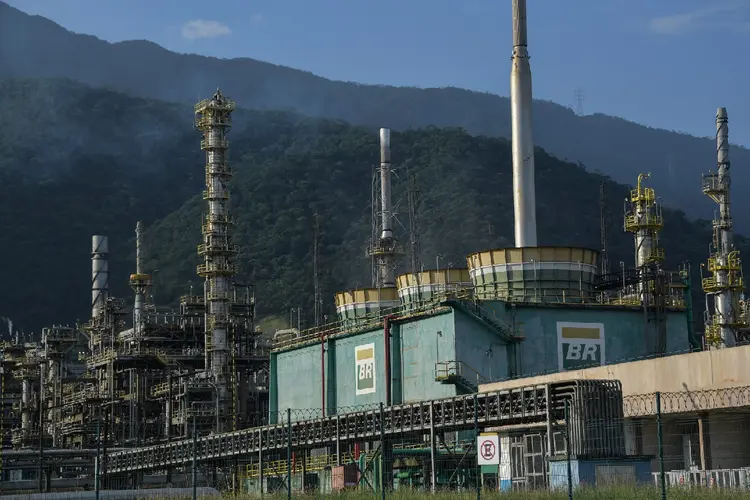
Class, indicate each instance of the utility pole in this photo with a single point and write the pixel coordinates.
(603, 228)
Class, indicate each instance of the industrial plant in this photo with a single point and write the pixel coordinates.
(511, 342)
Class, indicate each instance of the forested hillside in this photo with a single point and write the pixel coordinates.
(131, 159)
(31, 46)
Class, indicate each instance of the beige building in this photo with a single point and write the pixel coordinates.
(705, 406)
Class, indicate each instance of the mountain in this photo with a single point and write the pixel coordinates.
(32, 46)
(287, 167)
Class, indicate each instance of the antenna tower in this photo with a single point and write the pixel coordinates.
(579, 97)
(414, 200)
(603, 228)
(318, 306)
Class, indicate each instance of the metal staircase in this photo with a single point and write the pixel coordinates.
(472, 307)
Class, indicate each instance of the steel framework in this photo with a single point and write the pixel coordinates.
(540, 403)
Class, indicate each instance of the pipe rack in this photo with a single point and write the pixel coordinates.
(522, 405)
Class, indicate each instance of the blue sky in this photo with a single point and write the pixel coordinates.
(664, 63)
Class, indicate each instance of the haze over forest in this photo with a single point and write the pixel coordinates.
(91, 148)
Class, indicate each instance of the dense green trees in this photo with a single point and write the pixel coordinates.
(614, 146)
(131, 159)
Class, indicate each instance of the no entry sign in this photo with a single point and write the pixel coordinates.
(488, 450)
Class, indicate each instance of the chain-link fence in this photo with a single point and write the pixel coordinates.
(679, 445)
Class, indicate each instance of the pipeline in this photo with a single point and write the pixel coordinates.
(387, 349)
(59, 452)
(323, 373)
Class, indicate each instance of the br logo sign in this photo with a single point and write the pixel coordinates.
(364, 356)
(580, 345)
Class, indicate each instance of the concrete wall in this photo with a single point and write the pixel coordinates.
(700, 371)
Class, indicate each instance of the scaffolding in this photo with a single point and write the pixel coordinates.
(644, 218)
(213, 119)
(384, 249)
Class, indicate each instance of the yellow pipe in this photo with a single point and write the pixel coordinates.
(640, 178)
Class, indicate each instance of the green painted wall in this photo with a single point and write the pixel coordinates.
(297, 378)
(624, 336)
(347, 371)
(424, 343)
(479, 348)
(415, 348)
(417, 345)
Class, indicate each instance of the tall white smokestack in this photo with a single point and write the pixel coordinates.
(524, 199)
(387, 275)
(99, 274)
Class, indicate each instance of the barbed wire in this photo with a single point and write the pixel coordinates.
(686, 401)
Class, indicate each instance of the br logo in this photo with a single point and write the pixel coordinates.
(364, 356)
(580, 345)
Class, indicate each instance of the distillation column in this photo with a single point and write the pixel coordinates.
(524, 202)
(725, 283)
(643, 218)
(140, 282)
(213, 118)
(99, 275)
(385, 248)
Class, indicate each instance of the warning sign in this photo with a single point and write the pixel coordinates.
(488, 450)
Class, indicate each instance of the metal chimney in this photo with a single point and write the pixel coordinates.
(385, 183)
(524, 200)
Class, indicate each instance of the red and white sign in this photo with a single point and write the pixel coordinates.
(488, 450)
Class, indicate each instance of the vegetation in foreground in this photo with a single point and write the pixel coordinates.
(640, 493)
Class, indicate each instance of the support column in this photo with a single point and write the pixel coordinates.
(433, 472)
(704, 441)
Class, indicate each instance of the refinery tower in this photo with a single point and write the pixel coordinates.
(213, 119)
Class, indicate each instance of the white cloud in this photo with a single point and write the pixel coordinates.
(730, 16)
(200, 28)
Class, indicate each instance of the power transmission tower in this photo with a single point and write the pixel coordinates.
(603, 228)
(416, 251)
(318, 306)
(579, 97)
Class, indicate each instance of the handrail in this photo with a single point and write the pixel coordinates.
(446, 369)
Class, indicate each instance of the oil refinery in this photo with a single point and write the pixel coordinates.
(432, 350)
